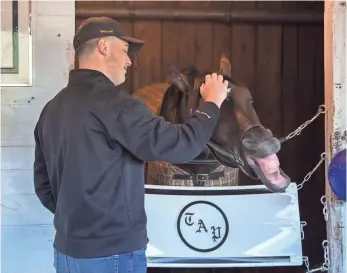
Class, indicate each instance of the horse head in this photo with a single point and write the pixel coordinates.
(239, 139)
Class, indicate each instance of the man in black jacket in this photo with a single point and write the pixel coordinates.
(91, 142)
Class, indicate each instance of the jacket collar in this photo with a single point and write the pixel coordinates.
(91, 76)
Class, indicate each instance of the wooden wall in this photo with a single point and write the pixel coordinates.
(281, 64)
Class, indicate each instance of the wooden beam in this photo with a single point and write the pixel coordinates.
(227, 17)
(335, 98)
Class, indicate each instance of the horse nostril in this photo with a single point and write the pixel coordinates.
(261, 147)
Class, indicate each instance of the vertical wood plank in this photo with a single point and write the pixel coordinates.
(319, 90)
(290, 97)
(318, 125)
(147, 68)
(204, 46)
(128, 84)
(310, 147)
(186, 44)
(204, 42)
(243, 54)
(267, 95)
(319, 93)
(150, 65)
(221, 43)
(221, 36)
(308, 156)
(267, 100)
(170, 38)
(335, 95)
(243, 44)
(268, 88)
(243, 61)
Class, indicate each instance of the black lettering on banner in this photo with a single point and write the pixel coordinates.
(188, 219)
(214, 235)
(201, 225)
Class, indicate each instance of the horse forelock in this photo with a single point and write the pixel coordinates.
(197, 77)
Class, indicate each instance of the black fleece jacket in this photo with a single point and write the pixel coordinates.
(91, 143)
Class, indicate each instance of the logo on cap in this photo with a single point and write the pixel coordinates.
(106, 31)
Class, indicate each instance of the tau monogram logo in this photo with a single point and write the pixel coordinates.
(202, 226)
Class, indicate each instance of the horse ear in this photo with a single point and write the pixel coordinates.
(179, 79)
(225, 66)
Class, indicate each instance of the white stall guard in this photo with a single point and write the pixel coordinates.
(243, 226)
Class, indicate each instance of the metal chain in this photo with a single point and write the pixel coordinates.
(326, 264)
(322, 109)
(325, 207)
(308, 176)
(307, 263)
(302, 224)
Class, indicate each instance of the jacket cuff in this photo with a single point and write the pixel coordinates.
(209, 109)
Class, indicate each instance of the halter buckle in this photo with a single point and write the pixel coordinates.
(202, 178)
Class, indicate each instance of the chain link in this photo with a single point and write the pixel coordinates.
(308, 176)
(326, 264)
(323, 200)
(307, 263)
(302, 225)
(322, 109)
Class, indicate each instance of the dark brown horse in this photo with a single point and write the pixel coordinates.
(239, 140)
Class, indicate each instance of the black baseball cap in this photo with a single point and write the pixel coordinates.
(97, 27)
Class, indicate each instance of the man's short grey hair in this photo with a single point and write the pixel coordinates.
(86, 49)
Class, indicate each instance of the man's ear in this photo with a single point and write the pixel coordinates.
(103, 45)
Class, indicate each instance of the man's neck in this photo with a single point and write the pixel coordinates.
(97, 67)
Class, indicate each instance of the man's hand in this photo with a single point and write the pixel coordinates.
(214, 89)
